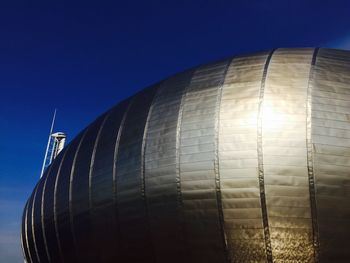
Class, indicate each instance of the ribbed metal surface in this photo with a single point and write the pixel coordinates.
(238, 158)
(162, 181)
(285, 155)
(331, 142)
(241, 160)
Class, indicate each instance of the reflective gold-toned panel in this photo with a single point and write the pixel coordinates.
(331, 148)
(197, 157)
(238, 160)
(162, 181)
(285, 155)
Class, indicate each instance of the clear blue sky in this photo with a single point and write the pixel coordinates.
(82, 58)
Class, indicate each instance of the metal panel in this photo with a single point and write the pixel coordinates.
(161, 180)
(261, 171)
(30, 227)
(197, 172)
(47, 213)
(331, 149)
(79, 194)
(24, 234)
(37, 228)
(102, 202)
(63, 227)
(285, 162)
(59, 247)
(132, 213)
(238, 161)
(310, 160)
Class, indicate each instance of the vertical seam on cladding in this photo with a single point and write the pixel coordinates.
(33, 228)
(177, 146)
(26, 249)
(143, 156)
(22, 245)
(177, 160)
(261, 163)
(216, 164)
(42, 215)
(92, 162)
(55, 204)
(310, 167)
(71, 179)
(114, 171)
(26, 230)
(116, 152)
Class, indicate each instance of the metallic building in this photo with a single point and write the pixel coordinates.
(241, 160)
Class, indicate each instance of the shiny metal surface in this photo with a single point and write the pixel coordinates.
(241, 160)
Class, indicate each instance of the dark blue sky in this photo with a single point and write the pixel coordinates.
(82, 58)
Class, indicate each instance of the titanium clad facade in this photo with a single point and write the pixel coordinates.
(241, 160)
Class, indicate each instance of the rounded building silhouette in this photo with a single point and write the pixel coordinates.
(242, 160)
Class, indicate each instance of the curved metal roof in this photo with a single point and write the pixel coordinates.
(241, 160)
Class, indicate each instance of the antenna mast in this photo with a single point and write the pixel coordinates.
(54, 146)
(48, 144)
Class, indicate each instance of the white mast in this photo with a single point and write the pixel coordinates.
(48, 144)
